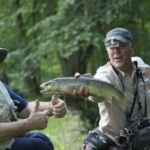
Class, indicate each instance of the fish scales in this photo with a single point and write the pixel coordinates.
(96, 87)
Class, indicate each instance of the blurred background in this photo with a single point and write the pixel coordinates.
(55, 38)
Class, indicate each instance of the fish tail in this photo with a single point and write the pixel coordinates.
(126, 98)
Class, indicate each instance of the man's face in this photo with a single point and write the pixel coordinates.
(119, 54)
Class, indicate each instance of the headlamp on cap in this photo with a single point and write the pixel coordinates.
(114, 43)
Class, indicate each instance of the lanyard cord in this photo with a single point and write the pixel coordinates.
(135, 88)
(140, 75)
(136, 94)
(119, 76)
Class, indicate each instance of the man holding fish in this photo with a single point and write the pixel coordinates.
(112, 87)
(127, 73)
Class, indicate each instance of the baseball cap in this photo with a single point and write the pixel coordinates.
(120, 34)
(3, 54)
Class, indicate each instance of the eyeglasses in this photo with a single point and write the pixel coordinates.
(115, 44)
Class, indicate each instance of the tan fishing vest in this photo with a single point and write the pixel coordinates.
(7, 112)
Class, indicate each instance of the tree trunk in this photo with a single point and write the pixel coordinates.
(31, 80)
(77, 62)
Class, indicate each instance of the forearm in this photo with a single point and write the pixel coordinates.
(35, 120)
(9, 130)
(42, 106)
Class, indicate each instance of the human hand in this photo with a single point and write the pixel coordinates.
(77, 75)
(83, 92)
(59, 107)
(38, 119)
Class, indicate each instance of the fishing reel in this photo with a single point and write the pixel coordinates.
(136, 135)
(97, 140)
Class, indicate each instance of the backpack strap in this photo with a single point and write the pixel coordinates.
(119, 76)
(136, 94)
(137, 75)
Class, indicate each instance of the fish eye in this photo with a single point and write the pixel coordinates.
(47, 84)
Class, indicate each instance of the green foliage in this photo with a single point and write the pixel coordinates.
(58, 38)
(67, 133)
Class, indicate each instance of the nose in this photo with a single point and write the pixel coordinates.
(116, 49)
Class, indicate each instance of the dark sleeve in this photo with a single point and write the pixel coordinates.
(18, 100)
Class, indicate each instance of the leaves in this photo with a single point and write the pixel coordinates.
(59, 38)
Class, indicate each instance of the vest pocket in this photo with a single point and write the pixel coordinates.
(4, 112)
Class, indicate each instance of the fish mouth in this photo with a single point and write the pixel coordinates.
(43, 89)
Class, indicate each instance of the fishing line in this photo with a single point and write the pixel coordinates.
(86, 114)
(65, 100)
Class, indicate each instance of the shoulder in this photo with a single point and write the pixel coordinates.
(18, 100)
(107, 68)
(145, 68)
(140, 62)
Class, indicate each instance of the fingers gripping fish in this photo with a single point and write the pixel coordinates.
(65, 85)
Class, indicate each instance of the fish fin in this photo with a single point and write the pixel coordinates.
(108, 99)
(87, 75)
(114, 86)
(123, 102)
(98, 98)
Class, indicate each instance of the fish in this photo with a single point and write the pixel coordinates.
(96, 87)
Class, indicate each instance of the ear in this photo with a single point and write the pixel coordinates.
(131, 46)
(132, 52)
